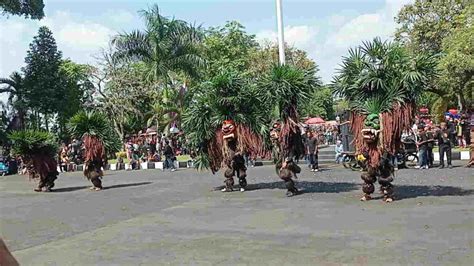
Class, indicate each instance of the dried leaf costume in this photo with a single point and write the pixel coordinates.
(381, 81)
(97, 137)
(287, 87)
(224, 121)
(37, 150)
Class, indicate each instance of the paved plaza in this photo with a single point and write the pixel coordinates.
(150, 217)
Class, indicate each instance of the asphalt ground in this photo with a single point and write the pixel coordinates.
(150, 217)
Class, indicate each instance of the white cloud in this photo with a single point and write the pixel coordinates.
(119, 16)
(77, 38)
(298, 36)
(343, 30)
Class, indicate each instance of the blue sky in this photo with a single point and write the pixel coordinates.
(323, 28)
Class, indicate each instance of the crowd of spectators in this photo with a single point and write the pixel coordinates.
(155, 148)
(453, 132)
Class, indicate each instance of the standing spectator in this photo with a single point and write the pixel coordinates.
(444, 135)
(311, 147)
(129, 147)
(169, 156)
(64, 159)
(431, 140)
(422, 144)
(339, 149)
(460, 128)
(450, 124)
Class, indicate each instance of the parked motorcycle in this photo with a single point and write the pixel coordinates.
(407, 156)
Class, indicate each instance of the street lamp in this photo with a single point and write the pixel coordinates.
(281, 41)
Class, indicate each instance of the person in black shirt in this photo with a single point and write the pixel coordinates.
(169, 155)
(422, 144)
(444, 136)
(311, 148)
(429, 151)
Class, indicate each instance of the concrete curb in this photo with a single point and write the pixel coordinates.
(463, 155)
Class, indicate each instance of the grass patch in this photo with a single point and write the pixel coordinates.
(454, 149)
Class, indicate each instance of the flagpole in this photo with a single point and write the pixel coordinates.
(281, 41)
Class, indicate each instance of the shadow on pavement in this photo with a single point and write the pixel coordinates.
(304, 186)
(70, 189)
(409, 191)
(401, 191)
(127, 185)
(309, 186)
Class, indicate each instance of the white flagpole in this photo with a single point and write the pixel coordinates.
(281, 41)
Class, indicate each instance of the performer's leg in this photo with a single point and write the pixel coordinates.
(386, 187)
(97, 183)
(241, 174)
(286, 174)
(291, 189)
(229, 180)
(41, 184)
(49, 184)
(368, 188)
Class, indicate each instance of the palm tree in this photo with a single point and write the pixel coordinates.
(167, 46)
(287, 87)
(381, 77)
(16, 99)
(227, 96)
(37, 150)
(382, 82)
(98, 137)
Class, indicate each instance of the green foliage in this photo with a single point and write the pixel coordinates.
(167, 47)
(444, 28)
(3, 126)
(457, 64)
(28, 8)
(32, 142)
(77, 86)
(424, 24)
(320, 103)
(263, 59)
(286, 87)
(228, 48)
(15, 86)
(94, 124)
(378, 74)
(43, 90)
(226, 96)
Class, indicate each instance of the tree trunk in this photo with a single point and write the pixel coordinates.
(46, 122)
(461, 101)
(21, 118)
(38, 120)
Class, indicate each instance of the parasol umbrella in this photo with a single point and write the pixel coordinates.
(315, 121)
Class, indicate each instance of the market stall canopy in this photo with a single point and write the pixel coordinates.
(315, 121)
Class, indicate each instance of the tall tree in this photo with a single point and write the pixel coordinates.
(265, 57)
(78, 87)
(167, 47)
(424, 24)
(228, 47)
(44, 90)
(29, 8)
(457, 63)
